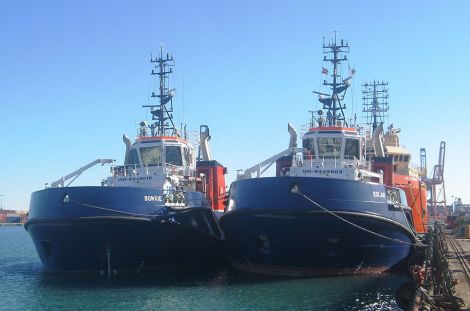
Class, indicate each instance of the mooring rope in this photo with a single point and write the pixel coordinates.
(412, 229)
(295, 190)
(118, 211)
(152, 215)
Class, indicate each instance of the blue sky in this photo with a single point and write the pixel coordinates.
(73, 75)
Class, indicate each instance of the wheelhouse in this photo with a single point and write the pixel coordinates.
(323, 144)
(333, 152)
(161, 152)
(155, 156)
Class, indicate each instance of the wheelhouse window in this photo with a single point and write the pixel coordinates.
(308, 145)
(151, 156)
(173, 155)
(351, 149)
(329, 147)
(132, 158)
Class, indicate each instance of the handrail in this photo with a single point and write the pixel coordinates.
(74, 175)
(146, 169)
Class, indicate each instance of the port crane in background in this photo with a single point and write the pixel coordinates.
(435, 184)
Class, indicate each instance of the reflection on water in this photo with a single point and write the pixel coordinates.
(27, 287)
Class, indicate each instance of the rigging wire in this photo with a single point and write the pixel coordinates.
(151, 215)
(295, 190)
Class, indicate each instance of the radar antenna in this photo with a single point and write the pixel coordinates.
(335, 53)
(375, 99)
(163, 111)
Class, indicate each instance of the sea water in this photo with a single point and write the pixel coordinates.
(25, 286)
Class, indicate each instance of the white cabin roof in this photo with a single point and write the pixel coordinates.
(396, 150)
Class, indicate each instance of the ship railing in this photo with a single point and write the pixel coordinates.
(124, 170)
(190, 136)
(346, 162)
(350, 161)
(151, 169)
(171, 169)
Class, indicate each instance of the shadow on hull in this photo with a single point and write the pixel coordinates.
(306, 244)
(109, 245)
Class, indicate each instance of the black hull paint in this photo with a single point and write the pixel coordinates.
(72, 238)
(274, 232)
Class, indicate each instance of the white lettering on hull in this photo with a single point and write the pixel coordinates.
(152, 198)
(378, 194)
(140, 178)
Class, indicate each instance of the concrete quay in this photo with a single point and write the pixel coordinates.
(459, 264)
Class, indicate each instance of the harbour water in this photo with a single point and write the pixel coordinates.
(24, 286)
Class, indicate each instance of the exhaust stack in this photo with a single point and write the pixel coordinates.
(204, 137)
(293, 136)
(377, 141)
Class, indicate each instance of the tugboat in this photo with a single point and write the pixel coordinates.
(158, 210)
(325, 212)
(389, 157)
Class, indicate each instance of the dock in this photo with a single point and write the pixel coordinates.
(443, 283)
(459, 265)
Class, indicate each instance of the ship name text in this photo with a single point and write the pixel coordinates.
(152, 198)
(378, 194)
(138, 178)
(322, 171)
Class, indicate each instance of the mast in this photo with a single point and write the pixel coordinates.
(332, 103)
(375, 99)
(162, 112)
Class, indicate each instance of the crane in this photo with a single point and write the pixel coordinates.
(436, 185)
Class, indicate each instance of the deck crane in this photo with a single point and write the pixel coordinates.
(423, 165)
(436, 186)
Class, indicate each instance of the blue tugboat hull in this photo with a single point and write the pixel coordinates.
(270, 230)
(108, 230)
